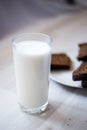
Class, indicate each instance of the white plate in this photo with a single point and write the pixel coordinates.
(64, 77)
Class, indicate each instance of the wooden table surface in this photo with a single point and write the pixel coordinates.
(67, 108)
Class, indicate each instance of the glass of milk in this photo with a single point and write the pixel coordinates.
(32, 57)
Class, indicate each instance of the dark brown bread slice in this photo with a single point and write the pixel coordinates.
(81, 72)
(84, 83)
(60, 61)
(82, 52)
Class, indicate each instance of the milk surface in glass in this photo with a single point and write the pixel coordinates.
(32, 65)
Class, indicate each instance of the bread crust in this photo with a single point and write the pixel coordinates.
(82, 55)
(81, 72)
(60, 61)
(84, 83)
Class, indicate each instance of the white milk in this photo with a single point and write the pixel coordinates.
(32, 65)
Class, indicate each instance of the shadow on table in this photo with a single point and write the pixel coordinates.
(78, 91)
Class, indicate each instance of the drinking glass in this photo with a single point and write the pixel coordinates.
(32, 57)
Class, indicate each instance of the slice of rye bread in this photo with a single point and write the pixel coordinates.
(81, 72)
(82, 55)
(84, 83)
(60, 61)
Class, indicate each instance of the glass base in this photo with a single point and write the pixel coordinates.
(34, 110)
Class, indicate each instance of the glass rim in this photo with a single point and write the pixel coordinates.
(26, 34)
